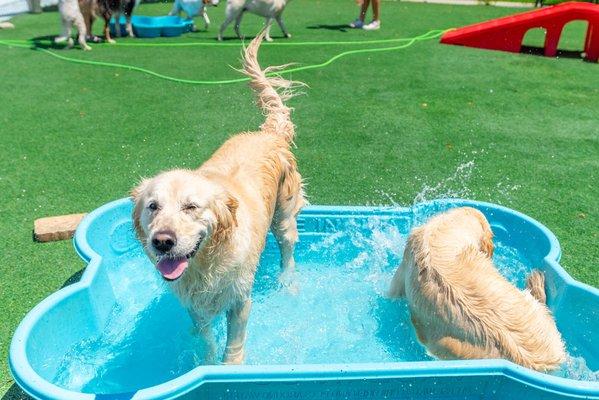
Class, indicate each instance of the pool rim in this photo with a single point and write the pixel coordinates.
(36, 386)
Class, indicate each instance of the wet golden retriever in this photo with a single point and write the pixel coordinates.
(462, 308)
(206, 228)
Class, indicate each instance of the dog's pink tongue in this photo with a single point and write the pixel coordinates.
(171, 268)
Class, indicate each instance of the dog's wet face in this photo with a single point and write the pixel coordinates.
(176, 214)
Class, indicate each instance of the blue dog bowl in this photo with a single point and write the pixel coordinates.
(151, 27)
(119, 333)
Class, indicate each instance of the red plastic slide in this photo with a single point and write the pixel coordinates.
(507, 33)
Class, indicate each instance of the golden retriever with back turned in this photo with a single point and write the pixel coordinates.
(461, 307)
(206, 228)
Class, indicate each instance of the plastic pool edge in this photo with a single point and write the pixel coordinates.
(38, 387)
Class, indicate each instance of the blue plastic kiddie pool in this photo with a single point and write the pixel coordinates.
(151, 27)
(120, 334)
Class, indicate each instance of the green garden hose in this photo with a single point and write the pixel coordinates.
(433, 34)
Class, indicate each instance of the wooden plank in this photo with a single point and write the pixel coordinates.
(50, 229)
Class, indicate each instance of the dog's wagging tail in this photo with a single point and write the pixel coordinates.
(272, 91)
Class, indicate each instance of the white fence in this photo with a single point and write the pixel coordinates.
(12, 7)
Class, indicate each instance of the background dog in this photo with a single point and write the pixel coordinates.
(90, 10)
(70, 15)
(269, 9)
(193, 8)
(206, 228)
(461, 307)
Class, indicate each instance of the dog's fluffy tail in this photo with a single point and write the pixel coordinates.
(272, 102)
(535, 283)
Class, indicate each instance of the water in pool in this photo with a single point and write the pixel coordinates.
(338, 315)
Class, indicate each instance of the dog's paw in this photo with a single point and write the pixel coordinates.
(288, 35)
(219, 38)
(289, 281)
(86, 47)
(234, 358)
(111, 41)
(60, 39)
(268, 39)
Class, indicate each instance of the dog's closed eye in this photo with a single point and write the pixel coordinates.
(190, 207)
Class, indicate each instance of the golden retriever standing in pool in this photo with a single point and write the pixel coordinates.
(206, 228)
(460, 305)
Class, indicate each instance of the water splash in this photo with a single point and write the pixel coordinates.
(576, 368)
(458, 184)
(339, 315)
(455, 185)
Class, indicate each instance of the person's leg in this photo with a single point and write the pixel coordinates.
(376, 22)
(363, 9)
(376, 8)
(359, 23)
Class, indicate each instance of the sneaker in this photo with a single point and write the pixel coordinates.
(373, 26)
(357, 24)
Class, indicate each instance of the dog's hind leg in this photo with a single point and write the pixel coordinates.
(535, 283)
(81, 32)
(107, 29)
(290, 200)
(237, 318)
(279, 19)
(268, 24)
(117, 24)
(128, 12)
(66, 32)
(89, 9)
(231, 14)
(238, 24)
(206, 19)
(176, 10)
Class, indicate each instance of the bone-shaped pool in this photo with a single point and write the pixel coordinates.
(120, 333)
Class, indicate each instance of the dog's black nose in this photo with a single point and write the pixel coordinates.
(164, 241)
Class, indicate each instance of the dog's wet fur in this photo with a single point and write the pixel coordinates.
(221, 212)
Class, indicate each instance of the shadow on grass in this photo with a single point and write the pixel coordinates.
(47, 42)
(340, 28)
(247, 38)
(16, 393)
(539, 51)
(76, 277)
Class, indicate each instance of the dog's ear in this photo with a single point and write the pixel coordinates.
(225, 208)
(136, 194)
(486, 242)
(137, 191)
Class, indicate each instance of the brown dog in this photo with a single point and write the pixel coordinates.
(107, 9)
(461, 307)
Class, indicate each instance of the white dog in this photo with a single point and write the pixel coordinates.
(269, 9)
(206, 228)
(193, 8)
(70, 15)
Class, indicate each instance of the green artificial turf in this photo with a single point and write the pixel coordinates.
(394, 127)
